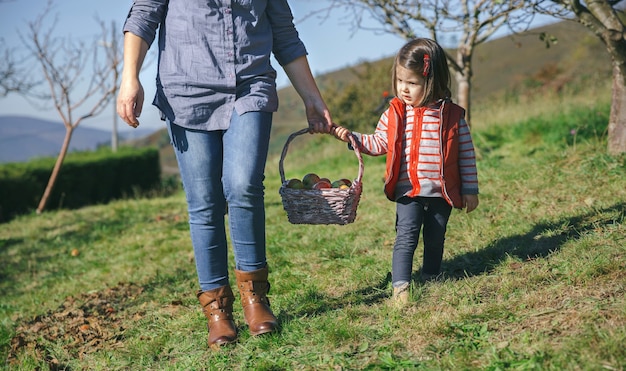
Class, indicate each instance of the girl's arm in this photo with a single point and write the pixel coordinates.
(467, 168)
(369, 144)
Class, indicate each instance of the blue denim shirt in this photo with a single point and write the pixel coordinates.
(214, 56)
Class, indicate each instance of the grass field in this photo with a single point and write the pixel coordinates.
(535, 278)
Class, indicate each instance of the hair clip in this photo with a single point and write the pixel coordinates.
(426, 65)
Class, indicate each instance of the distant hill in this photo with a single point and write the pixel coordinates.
(23, 138)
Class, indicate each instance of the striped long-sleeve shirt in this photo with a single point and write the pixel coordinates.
(421, 162)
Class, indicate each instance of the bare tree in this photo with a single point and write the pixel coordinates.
(606, 19)
(472, 22)
(76, 79)
(13, 78)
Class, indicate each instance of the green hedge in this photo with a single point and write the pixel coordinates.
(85, 178)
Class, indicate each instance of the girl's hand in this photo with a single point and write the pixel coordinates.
(470, 202)
(340, 132)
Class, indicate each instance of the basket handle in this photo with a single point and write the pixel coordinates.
(353, 143)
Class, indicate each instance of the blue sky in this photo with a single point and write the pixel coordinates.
(330, 44)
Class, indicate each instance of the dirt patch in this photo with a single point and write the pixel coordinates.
(84, 324)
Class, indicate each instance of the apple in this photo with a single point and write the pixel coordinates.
(325, 179)
(295, 183)
(309, 180)
(321, 185)
(344, 186)
(338, 183)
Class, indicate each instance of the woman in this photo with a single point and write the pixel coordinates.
(216, 91)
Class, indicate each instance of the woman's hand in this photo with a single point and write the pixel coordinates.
(317, 113)
(318, 117)
(131, 95)
(130, 101)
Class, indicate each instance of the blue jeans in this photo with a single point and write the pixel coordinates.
(411, 214)
(225, 169)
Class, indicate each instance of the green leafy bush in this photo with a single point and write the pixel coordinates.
(85, 178)
(358, 104)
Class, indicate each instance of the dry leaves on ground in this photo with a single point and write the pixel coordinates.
(83, 324)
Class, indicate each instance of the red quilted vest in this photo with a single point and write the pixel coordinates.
(450, 114)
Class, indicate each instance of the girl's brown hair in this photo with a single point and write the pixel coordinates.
(425, 57)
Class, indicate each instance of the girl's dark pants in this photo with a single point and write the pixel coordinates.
(411, 214)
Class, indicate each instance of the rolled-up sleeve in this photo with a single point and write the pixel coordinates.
(287, 44)
(144, 18)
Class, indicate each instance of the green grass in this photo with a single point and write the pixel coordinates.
(534, 278)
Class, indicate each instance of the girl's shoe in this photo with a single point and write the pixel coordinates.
(427, 277)
(401, 294)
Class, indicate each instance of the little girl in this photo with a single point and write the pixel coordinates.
(431, 165)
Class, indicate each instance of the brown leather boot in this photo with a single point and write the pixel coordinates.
(253, 288)
(217, 306)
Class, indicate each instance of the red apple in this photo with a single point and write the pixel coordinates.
(322, 184)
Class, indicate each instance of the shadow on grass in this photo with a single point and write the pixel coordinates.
(313, 302)
(541, 241)
(5, 244)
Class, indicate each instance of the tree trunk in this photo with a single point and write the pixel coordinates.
(463, 94)
(463, 80)
(617, 119)
(55, 171)
(601, 17)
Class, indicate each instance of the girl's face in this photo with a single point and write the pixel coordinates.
(409, 86)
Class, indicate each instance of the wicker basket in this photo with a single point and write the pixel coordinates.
(324, 206)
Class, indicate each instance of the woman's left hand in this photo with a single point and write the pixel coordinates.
(317, 113)
(319, 118)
